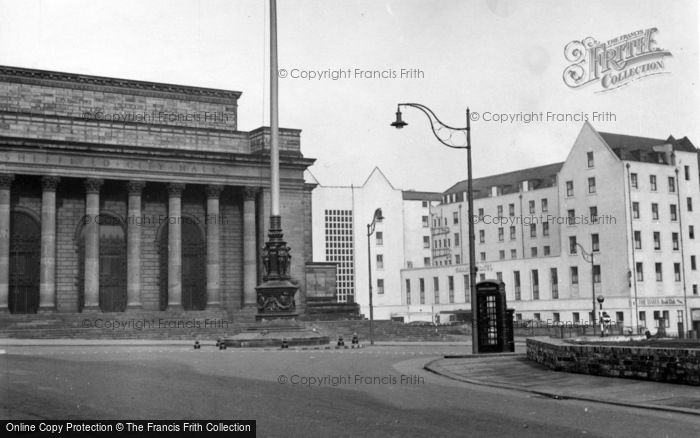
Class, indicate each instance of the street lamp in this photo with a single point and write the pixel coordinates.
(589, 258)
(370, 230)
(602, 322)
(456, 138)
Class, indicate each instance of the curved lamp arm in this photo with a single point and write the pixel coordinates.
(585, 254)
(450, 136)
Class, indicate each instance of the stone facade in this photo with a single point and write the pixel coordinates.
(132, 196)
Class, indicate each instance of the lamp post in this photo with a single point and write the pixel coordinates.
(602, 322)
(589, 258)
(456, 138)
(370, 230)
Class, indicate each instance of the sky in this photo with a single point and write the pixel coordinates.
(493, 56)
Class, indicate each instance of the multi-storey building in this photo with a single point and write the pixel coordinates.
(400, 240)
(631, 202)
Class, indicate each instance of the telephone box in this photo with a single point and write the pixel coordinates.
(492, 318)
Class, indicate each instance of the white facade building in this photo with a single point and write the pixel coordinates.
(340, 215)
(631, 201)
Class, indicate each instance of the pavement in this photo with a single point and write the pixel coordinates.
(514, 371)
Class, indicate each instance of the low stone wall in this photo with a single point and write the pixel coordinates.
(670, 365)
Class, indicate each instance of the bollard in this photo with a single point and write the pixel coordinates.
(196, 345)
(355, 341)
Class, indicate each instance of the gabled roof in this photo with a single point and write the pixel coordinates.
(633, 148)
(412, 195)
(540, 176)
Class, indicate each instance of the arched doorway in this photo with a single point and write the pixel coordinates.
(112, 294)
(194, 287)
(25, 256)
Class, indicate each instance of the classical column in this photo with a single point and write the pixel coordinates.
(250, 271)
(175, 246)
(133, 245)
(213, 247)
(92, 244)
(47, 276)
(5, 183)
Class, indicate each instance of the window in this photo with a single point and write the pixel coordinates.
(659, 272)
(408, 291)
(425, 204)
(531, 206)
(655, 211)
(458, 260)
(687, 172)
(635, 210)
(481, 214)
(674, 240)
(483, 256)
(380, 261)
(436, 290)
(690, 203)
(571, 219)
(546, 250)
(554, 276)
(545, 207)
(422, 290)
(426, 261)
(511, 209)
(500, 234)
(652, 182)
(451, 288)
(500, 211)
(596, 273)
(380, 238)
(637, 240)
(633, 181)
(572, 244)
(426, 241)
(499, 276)
(569, 188)
(674, 214)
(409, 264)
(537, 317)
(593, 213)
(533, 230)
(657, 240)
(576, 317)
(595, 242)
(693, 266)
(620, 318)
(591, 185)
(482, 277)
(455, 218)
(535, 284)
(640, 271)
(512, 232)
(695, 289)
(501, 255)
(456, 239)
(482, 236)
(426, 222)
(677, 271)
(467, 290)
(573, 270)
(513, 253)
(589, 158)
(516, 284)
(533, 251)
(643, 318)
(691, 231)
(545, 228)
(671, 184)
(380, 286)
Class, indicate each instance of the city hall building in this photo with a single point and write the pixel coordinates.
(120, 194)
